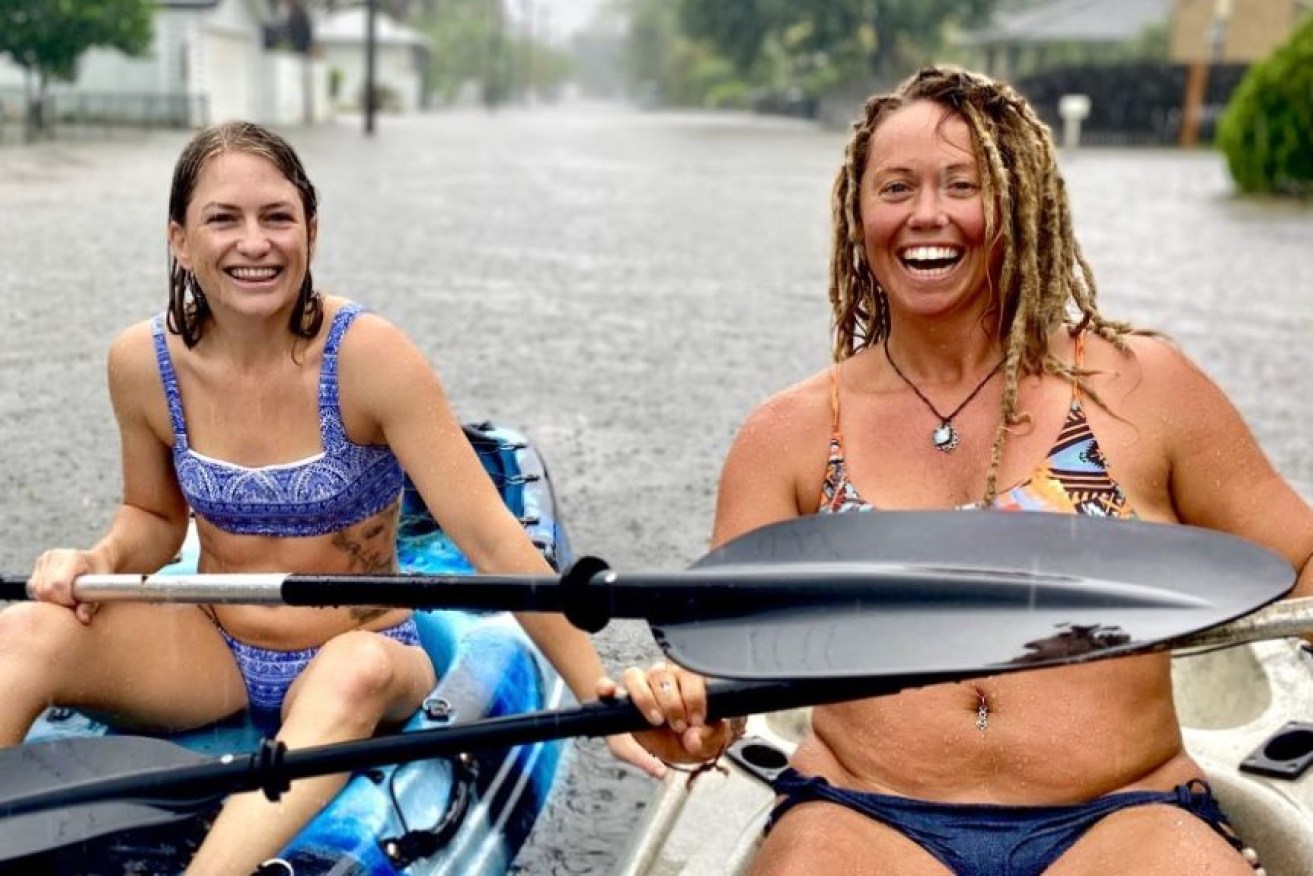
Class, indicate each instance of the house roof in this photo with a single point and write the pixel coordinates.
(348, 26)
(1081, 21)
(261, 10)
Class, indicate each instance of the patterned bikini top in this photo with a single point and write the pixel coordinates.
(343, 484)
(1073, 479)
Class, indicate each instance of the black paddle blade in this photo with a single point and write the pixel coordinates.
(974, 593)
(58, 794)
(59, 765)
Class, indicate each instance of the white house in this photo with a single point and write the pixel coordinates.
(401, 59)
(11, 75)
(208, 62)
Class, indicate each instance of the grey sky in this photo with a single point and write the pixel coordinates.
(564, 17)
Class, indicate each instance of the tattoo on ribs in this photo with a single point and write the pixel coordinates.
(369, 555)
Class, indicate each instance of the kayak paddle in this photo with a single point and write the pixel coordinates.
(64, 791)
(852, 595)
(827, 608)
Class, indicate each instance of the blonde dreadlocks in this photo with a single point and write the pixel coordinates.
(1044, 281)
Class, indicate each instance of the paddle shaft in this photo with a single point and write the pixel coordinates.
(677, 594)
(1289, 618)
(271, 769)
(589, 594)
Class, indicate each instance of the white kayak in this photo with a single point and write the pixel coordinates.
(1244, 707)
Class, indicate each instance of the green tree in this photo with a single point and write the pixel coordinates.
(637, 49)
(477, 43)
(738, 30)
(653, 35)
(816, 43)
(1266, 132)
(468, 39)
(47, 37)
(781, 53)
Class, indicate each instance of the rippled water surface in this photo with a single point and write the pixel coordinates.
(622, 287)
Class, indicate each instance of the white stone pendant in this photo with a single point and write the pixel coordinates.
(945, 437)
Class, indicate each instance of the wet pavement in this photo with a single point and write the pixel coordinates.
(622, 287)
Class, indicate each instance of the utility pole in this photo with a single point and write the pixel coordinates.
(494, 68)
(1196, 84)
(301, 36)
(527, 88)
(371, 50)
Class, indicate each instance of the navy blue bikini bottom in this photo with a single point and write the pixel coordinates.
(975, 839)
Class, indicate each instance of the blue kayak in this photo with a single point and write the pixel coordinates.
(463, 816)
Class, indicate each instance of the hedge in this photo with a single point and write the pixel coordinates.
(1266, 131)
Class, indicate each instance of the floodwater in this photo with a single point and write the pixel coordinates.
(623, 287)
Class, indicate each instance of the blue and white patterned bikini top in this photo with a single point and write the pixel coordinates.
(324, 493)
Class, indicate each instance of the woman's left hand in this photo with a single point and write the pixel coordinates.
(674, 702)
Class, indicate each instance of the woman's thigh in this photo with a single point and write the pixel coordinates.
(1148, 841)
(139, 665)
(820, 838)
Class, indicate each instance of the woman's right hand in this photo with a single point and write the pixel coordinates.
(53, 576)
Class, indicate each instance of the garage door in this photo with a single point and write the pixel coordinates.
(229, 76)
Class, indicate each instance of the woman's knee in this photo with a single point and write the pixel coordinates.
(37, 632)
(355, 669)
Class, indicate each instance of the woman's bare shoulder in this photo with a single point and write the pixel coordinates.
(787, 431)
(791, 414)
(135, 384)
(132, 353)
(137, 335)
(372, 335)
(1150, 366)
(775, 458)
(1155, 386)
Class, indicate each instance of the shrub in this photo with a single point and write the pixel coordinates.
(1266, 132)
(386, 98)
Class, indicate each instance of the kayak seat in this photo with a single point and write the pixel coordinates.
(1232, 702)
(1267, 820)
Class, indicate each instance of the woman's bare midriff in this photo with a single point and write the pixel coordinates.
(366, 547)
(1049, 737)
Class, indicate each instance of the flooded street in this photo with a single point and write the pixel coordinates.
(622, 287)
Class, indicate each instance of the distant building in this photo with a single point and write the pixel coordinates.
(1062, 32)
(1232, 31)
(210, 61)
(1139, 63)
(401, 60)
(1050, 33)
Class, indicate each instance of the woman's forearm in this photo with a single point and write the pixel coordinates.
(568, 648)
(137, 541)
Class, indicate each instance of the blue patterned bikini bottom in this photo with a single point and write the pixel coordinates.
(269, 674)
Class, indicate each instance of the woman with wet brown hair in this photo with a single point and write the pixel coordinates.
(284, 419)
(974, 370)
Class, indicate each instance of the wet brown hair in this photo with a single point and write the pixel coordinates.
(1043, 281)
(188, 310)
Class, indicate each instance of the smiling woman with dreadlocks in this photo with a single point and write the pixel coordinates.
(974, 370)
